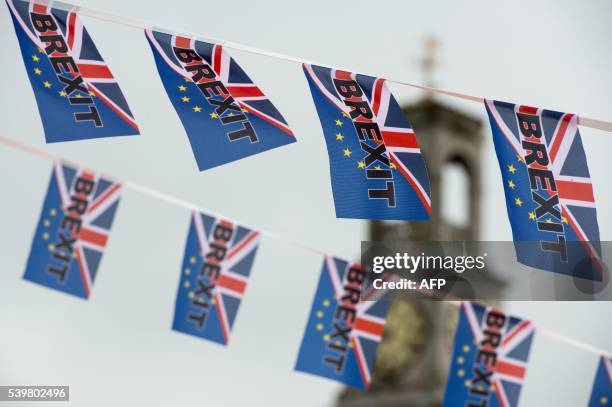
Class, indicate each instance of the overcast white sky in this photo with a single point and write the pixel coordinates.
(118, 348)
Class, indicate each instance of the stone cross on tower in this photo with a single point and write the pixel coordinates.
(428, 62)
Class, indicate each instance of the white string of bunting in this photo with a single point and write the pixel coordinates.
(140, 24)
(273, 235)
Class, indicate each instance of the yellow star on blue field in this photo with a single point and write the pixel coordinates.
(347, 152)
(339, 136)
(532, 215)
(563, 219)
(214, 115)
(185, 99)
(549, 220)
(360, 164)
(338, 122)
(518, 201)
(243, 110)
(46, 84)
(511, 168)
(344, 114)
(392, 166)
(378, 167)
(197, 109)
(519, 158)
(182, 88)
(511, 184)
(35, 58)
(37, 71)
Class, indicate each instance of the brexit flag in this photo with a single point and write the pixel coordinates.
(345, 326)
(549, 195)
(489, 359)
(377, 170)
(78, 98)
(226, 116)
(73, 230)
(218, 258)
(601, 394)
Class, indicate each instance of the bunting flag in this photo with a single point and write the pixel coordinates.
(218, 258)
(73, 230)
(549, 195)
(78, 98)
(226, 116)
(376, 166)
(345, 326)
(601, 395)
(489, 358)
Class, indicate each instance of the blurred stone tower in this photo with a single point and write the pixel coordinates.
(413, 358)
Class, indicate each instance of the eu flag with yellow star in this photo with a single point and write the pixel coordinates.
(226, 116)
(345, 326)
(73, 230)
(219, 255)
(376, 166)
(549, 193)
(490, 358)
(601, 395)
(78, 98)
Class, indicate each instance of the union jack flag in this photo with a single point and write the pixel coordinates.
(601, 395)
(377, 170)
(549, 193)
(226, 116)
(343, 348)
(218, 258)
(78, 97)
(73, 230)
(478, 377)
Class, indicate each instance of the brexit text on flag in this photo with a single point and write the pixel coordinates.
(489, 360)
(549, 194)
(218, 258)
(78, 97)
(73, 230)
(601, 395)
(226, 116)
(345, 326)
(377, 170)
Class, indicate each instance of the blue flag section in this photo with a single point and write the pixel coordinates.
(377, 170)
(226, 116)
(78, 98)
(489, 360)
(549, 195)
(601, 395)
(345, 326)
(73, 230)
(219, 255)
